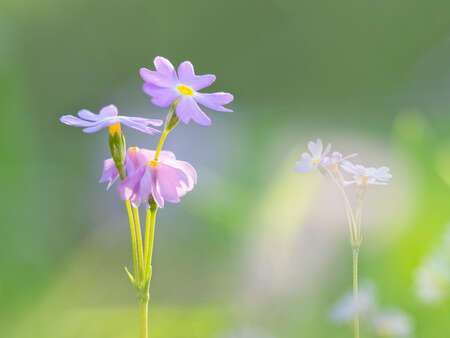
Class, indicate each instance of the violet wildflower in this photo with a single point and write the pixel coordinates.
(166, 179)
(166, 87)
(108, 117)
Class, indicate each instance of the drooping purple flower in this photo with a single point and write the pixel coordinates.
(167, 179)
(165, 87)
(363, 175)
(108, 117)
(310, 162)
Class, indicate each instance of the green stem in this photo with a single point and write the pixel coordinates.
(139, 242)
(355, 291)
(143, 309)
(133, 238)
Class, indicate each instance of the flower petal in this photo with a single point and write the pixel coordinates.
(188, 109)
(127, 121)
(168, 181)
(164, 66)
(157, 78)
(109, 173)
(316, 148)
(87, 115)
(214, 100)
(74, 121)
(109, 111)
(187, 76)
(161, 97)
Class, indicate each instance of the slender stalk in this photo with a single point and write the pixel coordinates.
(143, 308)
(139, 242)
(133, 238)
(355, 292)
(161, 142)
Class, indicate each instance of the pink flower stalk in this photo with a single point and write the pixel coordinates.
(167, 179)
(165, 87)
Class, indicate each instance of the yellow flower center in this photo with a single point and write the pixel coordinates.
(364, 180)
(152, 163)
(115, 128)
(315, 161)
(185, 90)
(134, 148)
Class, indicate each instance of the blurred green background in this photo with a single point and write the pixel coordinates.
(255, 245)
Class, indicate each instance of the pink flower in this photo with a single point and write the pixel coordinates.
(167, 179)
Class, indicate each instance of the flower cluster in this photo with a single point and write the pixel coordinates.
(154, 175)
(151, 177)
(322, 160)
(382, 322)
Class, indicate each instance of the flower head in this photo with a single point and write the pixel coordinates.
(336, 158)
(392, 323)
(364, 176)
(165, 87)
(164, 180)
(310, 162)
(108, 117)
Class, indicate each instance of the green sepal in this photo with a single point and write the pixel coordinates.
(172, 118)
(130, 276)
(117, 147)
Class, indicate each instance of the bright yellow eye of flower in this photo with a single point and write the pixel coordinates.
(152, 163)
(315, 161)
(185, 90)
(134, 148)
(115, 128)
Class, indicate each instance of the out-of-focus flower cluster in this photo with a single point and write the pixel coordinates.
(432, 278)
(388, 322)
(321, 159)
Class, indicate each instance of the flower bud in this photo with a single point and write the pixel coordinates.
(117, 147)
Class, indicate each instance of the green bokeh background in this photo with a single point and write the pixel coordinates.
(250, 246)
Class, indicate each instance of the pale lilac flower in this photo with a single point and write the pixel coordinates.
(337, 158)
(108, 117)
(310, 162)
(392, 323)
(344, 310)
(363, 175)
(165, 87)
(164, 180)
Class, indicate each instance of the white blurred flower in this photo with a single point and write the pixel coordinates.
(310, 162)
(432, 278)
(245, 332)
(392, 323)
(363, 175)
(344, 309)
(337, 158)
